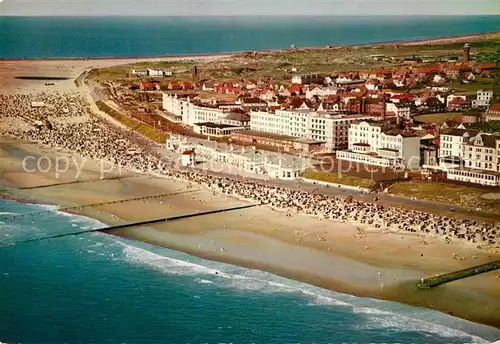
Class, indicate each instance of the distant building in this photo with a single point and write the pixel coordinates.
(140, 72)
(483, 98)
(466, 53)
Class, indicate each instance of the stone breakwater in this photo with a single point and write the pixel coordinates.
(94, 138)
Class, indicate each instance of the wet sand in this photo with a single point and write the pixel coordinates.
(266, 239)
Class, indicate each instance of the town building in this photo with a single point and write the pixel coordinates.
(307, 124)
(281, 143)
(216, 129)
(493, 113)
(375, 143)
(274, 165)
(481, 155)
(307, 79)
(139, 72)
(483, 98)
(450, 146)
(193, 114)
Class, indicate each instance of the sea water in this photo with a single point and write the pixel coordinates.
(49, 37)
(96, 288)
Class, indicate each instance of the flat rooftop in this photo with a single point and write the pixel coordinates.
(276, 136)
(215, 125)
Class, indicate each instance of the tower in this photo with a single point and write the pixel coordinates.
(466, 53)
(196, 77)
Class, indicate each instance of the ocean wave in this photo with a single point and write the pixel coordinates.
(7, 213)
(374, 316)
(401, 323)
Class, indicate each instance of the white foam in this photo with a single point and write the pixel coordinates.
(7, 213)
(255, 280)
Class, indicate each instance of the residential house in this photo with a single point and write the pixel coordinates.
(401, 110)
(481, 67)
(140, 72)
(149, 86)
(208, 86)
(457, 103)
(156, 72)
(399, 81)
(493, 113)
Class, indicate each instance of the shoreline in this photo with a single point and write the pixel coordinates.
(263, 239)
(411, 42)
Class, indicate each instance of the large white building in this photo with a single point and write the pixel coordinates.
(373, 144)
(314, 125)
(483, 98)
(481, 157)
(193, 114)
(450, 146)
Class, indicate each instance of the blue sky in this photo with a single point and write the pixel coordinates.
(248, 7)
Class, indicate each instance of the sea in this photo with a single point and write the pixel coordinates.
(97, 288)
(70, 37)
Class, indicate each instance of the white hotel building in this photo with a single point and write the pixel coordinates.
(481, 157)
(196, 115)
(314, 125)
(370, 143)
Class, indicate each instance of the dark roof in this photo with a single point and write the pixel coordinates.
(235, 116)
(460, 132)
(214, 125)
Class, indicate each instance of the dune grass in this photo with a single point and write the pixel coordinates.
(467, 196)
(134, 124)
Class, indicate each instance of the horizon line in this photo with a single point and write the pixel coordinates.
(243, 15)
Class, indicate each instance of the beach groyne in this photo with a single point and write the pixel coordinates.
(135, 224)
(432, 282)
(73, 182)
(90, 205)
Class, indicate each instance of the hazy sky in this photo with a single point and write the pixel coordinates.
(248, 7)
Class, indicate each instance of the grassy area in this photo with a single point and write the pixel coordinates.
(336, 178)
(473, 86)
(468, 196)
(133, 123)
(439, 118)
(278, 65)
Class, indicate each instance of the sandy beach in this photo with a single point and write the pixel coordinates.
(266, 239)
(347, 257)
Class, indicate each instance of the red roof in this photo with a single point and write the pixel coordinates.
(402, 96)
(147, 84)
(486, 66)
(188, 152)
(458, 101)
(494, 107)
